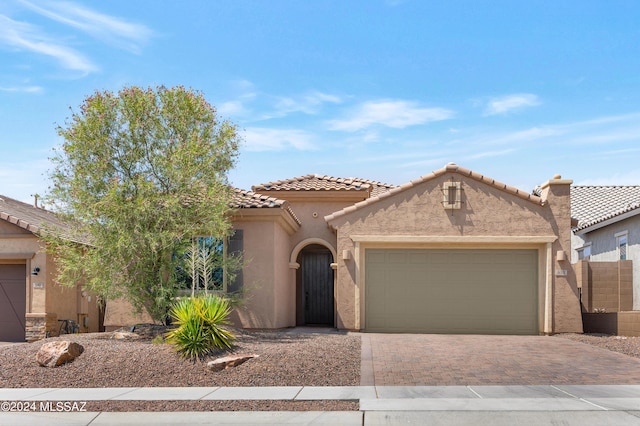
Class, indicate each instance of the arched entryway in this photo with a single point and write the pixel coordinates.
(314, 286)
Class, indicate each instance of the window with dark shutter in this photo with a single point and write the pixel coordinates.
(235, 248)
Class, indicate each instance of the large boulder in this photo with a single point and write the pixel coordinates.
(223, 363)
(53, 354)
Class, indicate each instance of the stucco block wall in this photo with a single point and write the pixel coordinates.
(606, 285)
(629, 324)
(604, 248)
(618, 323)
(486, 211)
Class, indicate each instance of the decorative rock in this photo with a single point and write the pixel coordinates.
(223, 363)
(53, 354)
(124, 335)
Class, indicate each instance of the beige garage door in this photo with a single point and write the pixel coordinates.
(451, 291)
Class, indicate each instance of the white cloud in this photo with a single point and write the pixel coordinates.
(508, 103)
(596, 131)
(249, 99)
(231, 108)
(238, 107)
(23, 36)
(22, 89)
(265, 139)
(107, 28)
(309, 104)
(390, 113)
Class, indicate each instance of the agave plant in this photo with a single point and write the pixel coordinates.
(199, 325)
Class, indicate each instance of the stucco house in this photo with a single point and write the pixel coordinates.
(453, 251)
(607, 230)
(31, 302)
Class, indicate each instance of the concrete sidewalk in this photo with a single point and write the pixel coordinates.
(446, 405)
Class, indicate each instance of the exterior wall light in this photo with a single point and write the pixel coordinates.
(35, 271)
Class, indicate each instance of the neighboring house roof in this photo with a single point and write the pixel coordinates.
(243, 199)
(27, 216)
(316, 182)
(597, 206)
(451, 167)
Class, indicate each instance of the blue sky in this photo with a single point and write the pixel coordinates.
(387, 90)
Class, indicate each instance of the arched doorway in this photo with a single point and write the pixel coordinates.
(314, 286)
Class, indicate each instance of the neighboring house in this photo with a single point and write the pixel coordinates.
(450, 252)
(608, 227)
(31, 302)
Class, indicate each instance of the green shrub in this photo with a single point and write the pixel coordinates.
(199, 320)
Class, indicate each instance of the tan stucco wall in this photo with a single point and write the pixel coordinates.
(311, 213)
(486, 212)
(271, 251)
(566, 301)
(60, 299)
(120, 313)
(269, 292)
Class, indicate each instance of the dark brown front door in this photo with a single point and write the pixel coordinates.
(317, 286)
(12, 302)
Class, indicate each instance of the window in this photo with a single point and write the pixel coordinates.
(234, 254)
(622, 244)
(212, 263)
(584, 252)
(451, 195)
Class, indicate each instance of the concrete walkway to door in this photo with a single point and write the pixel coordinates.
(449, 360)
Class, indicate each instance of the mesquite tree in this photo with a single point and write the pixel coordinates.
(140, 172)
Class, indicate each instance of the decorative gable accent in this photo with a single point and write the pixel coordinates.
(452, 195)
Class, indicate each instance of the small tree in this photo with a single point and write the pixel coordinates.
(138, 175)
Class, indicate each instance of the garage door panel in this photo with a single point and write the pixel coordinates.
(451, 291)
(12, 302)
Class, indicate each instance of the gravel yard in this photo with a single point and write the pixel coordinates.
(624, 345)
(286, 358)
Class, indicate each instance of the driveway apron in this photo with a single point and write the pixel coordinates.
(449, 360)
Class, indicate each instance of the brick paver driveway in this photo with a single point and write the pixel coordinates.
(440, 360)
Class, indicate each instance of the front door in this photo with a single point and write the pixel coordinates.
(317, 286)
(13, 298)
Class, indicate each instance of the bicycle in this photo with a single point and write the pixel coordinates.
(68, 326)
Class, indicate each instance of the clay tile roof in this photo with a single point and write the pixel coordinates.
(451, 167)
(591, 205)
(243, 199)
(315, 182)
(247, 199)
(28, 217)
